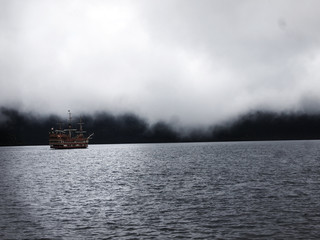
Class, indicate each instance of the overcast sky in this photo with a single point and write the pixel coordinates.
(186, 61)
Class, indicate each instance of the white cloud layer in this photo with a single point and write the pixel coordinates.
(187, 61)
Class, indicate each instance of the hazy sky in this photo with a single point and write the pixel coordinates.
(185, 61)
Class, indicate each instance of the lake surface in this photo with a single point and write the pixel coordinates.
(237, 190)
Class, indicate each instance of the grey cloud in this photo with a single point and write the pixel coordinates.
(191, 62)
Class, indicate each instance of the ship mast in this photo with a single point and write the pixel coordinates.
(59, 130)
(68, 138)
(70, 126)
(70, 118)
(80, 127)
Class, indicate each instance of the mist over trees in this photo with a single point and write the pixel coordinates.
(17, 128)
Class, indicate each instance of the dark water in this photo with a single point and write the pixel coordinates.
(248, 190)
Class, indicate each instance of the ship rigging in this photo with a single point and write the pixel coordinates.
(68, 138)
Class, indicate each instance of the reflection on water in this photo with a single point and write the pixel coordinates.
(255, 190)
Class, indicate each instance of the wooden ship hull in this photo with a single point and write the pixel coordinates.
(60, 142)
(68, 138)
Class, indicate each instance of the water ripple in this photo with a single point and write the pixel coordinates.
(248, 190)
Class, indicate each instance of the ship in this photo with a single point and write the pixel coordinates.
(69, 138)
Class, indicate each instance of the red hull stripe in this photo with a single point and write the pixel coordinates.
(71, 147)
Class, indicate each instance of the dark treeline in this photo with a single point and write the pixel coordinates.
(17, 128)
(257, 126)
